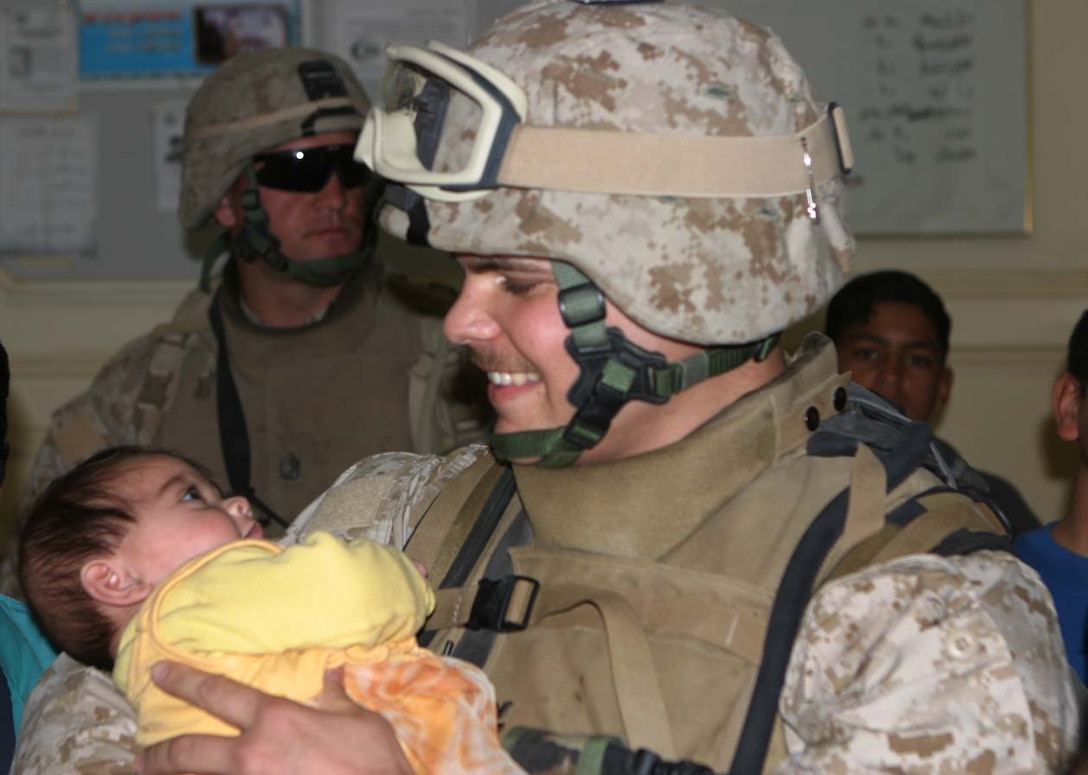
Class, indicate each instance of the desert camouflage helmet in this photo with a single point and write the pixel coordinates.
(253, 102)
(689, 261)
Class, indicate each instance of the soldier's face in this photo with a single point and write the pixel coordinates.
(896, 353)
(309, 225)
(508, 315)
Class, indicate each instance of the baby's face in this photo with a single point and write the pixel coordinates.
(179, 514)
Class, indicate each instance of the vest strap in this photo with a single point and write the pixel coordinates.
(438, 538)
(233, 435)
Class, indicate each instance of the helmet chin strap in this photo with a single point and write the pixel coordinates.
(613, 371)
(256, 240)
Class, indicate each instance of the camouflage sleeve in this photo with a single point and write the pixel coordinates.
(76, 722)
(930, 665)
(382, 497)
(101, 416)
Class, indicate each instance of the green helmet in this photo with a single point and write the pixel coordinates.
(670, 156)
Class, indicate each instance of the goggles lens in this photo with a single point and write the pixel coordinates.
(309, 169)
(424, 89)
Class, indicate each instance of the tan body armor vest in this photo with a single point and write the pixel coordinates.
(366, 379)
(647, 584)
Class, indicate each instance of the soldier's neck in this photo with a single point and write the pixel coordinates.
(277, 301)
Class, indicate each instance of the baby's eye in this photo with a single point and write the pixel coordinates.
(192, 493)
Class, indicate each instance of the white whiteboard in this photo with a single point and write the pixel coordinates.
(936, 97)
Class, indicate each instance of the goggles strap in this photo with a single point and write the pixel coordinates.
(613, 371)
(415, 207)
(256, 240)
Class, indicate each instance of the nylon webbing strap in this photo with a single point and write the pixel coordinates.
(922, 534)
(526, 444)
(435, 540)
(612, 371)
(709, 363)
(638, 692)
(605, 162)
(492, 497)
(233, 436)
(268, 119)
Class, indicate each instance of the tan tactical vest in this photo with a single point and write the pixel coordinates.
(368, 378)
(648, 582)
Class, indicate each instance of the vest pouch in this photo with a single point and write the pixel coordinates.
(667, 664)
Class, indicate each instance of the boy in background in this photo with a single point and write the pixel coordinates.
(135, 556)
(892, 332)
(1059, 551)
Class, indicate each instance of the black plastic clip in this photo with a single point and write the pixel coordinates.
(491, 608)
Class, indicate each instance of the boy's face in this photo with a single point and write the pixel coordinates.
(896, 353)
(179, 515)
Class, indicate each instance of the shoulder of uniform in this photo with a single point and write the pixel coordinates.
(936, 639)
(191, 315)
(382, 497)
(75, 721)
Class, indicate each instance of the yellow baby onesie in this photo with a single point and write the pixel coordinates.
(277, 618)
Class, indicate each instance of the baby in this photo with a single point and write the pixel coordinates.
(135, 556)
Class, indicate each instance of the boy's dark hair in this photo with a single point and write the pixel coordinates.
(76, 519)
(5, 389)
(1076, 362)
(854, 303)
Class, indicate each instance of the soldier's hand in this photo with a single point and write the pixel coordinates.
(279, 737)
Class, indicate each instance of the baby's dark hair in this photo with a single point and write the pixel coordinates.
(854, 303)
(1076, 361)
(78, 518)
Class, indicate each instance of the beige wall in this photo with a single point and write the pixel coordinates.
(1013, 300)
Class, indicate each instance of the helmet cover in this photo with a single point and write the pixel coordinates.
(698, 269)
(253, 102)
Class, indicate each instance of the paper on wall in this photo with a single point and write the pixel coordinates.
(168, 124)
(48, 172)
(38, 57)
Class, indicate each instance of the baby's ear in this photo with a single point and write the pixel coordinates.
(109, 582)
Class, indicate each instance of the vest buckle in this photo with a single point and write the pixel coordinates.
(503, 605)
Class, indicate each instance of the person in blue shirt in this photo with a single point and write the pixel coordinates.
(24, 651)
(1059, 551)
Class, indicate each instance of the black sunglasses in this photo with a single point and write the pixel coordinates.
(309, 169)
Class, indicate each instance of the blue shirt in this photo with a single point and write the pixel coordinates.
(24, 653)
(1065, 574)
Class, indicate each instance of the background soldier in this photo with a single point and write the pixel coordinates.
(643, 196)
(302, 358)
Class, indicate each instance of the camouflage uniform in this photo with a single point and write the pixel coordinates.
(924, 664)
(904, 662)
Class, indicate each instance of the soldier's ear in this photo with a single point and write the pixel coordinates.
(1065, 401)
(111, 583)
(224, 212)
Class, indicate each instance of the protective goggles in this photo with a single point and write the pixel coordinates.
(400, 143)
(309, 169)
